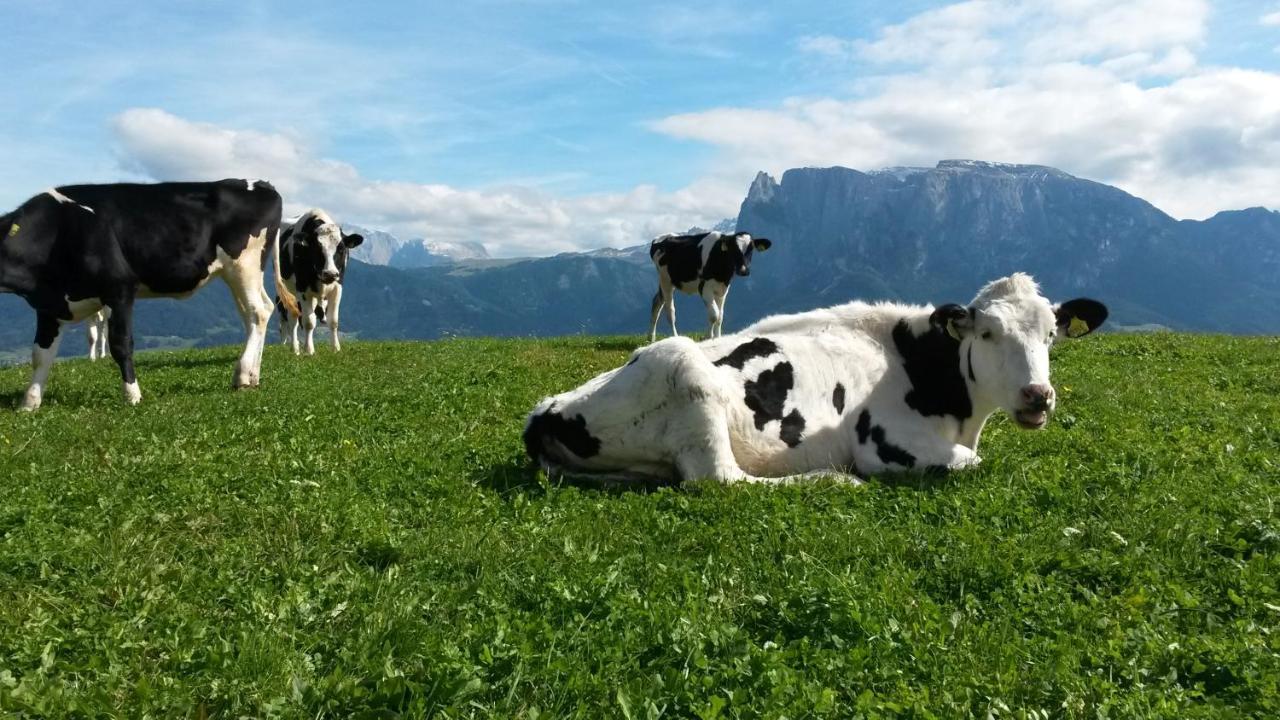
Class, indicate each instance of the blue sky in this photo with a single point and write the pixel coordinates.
(547, 125)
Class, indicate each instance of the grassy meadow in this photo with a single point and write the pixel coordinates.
(363, 537)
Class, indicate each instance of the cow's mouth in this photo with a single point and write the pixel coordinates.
(1031, 419)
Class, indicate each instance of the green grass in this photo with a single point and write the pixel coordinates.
(363, 537)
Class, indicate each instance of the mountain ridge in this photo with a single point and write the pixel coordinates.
(910, 234)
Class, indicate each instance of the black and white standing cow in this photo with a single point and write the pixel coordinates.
(313, 256)
(703, 264)
(857, 387)
(76, 249)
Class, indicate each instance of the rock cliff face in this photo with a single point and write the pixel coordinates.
(938, 233)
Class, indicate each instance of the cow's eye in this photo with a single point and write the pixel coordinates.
(986, 335)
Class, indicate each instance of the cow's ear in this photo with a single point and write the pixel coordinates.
(955, 319)
(352, 240)
(1079, 317)
(761, 244)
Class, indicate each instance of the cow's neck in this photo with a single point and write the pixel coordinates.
(971, 428)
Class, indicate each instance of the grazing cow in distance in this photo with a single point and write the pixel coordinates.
(96, 327)
(74, 250)
(852, 388)
(702, 264)
(313, 256)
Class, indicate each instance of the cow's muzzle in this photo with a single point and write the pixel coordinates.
(744, 271)
(328, 276)
(1037, 403)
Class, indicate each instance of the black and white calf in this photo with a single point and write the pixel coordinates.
(852, 388)
(703, 265)
(313, 256)
(74, 250)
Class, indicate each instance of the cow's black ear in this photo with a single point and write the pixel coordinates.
(955, 319)
(1079, 317)
(352, 240)
(761, 244)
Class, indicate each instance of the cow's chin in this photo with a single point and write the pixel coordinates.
(1031, 419)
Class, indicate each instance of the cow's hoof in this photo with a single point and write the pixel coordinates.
(30, 401)
(132, 393)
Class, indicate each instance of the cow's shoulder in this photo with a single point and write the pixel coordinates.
(931, 361)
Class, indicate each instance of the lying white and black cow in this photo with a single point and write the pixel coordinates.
(703, 265)
(96, 327)
(853, 388)
(74, 250)
(313, 257)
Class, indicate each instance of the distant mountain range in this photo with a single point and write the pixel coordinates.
(918, 234)
(383, 248)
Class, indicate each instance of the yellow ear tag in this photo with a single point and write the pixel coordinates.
(14, 230)
(1077, 327)
(951, 329)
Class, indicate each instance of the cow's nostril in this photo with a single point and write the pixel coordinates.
(1037, 396)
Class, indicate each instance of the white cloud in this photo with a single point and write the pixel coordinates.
(1271, 19)
(1066, 84)
(515, 220)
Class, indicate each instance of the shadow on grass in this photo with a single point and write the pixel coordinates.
(926, 481)
(521, 476)
(619, 344)
(143, 362)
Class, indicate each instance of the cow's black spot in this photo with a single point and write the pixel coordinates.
(837, 398)
(863, 427)
(571, 434)
(792, 428)
(744, 353)
(932, 362)
(971, 377)
(888, 452)
(766, 395)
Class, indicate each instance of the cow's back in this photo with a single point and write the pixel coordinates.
(167, 235)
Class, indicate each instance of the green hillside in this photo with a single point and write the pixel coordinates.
(363, 537)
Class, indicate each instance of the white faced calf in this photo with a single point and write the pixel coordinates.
(314, 253)
(853, 388)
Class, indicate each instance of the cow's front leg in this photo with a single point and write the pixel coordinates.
(961, 458)
(309, 323)
(120, 341)
(43, 352)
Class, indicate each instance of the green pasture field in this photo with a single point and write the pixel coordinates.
(363, 537)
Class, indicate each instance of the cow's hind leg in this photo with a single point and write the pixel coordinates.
(43, 352)
(120, 340)
(331, 310)
(654, 311)
(244, 277)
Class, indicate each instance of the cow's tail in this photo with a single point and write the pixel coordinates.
(285, 297)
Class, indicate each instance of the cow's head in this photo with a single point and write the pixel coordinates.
(326, 246)
(1005, 335)
(740, 247)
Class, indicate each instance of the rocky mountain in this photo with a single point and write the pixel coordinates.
(918, 234)
(938, 233)
(378, 245)
(430, 253)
